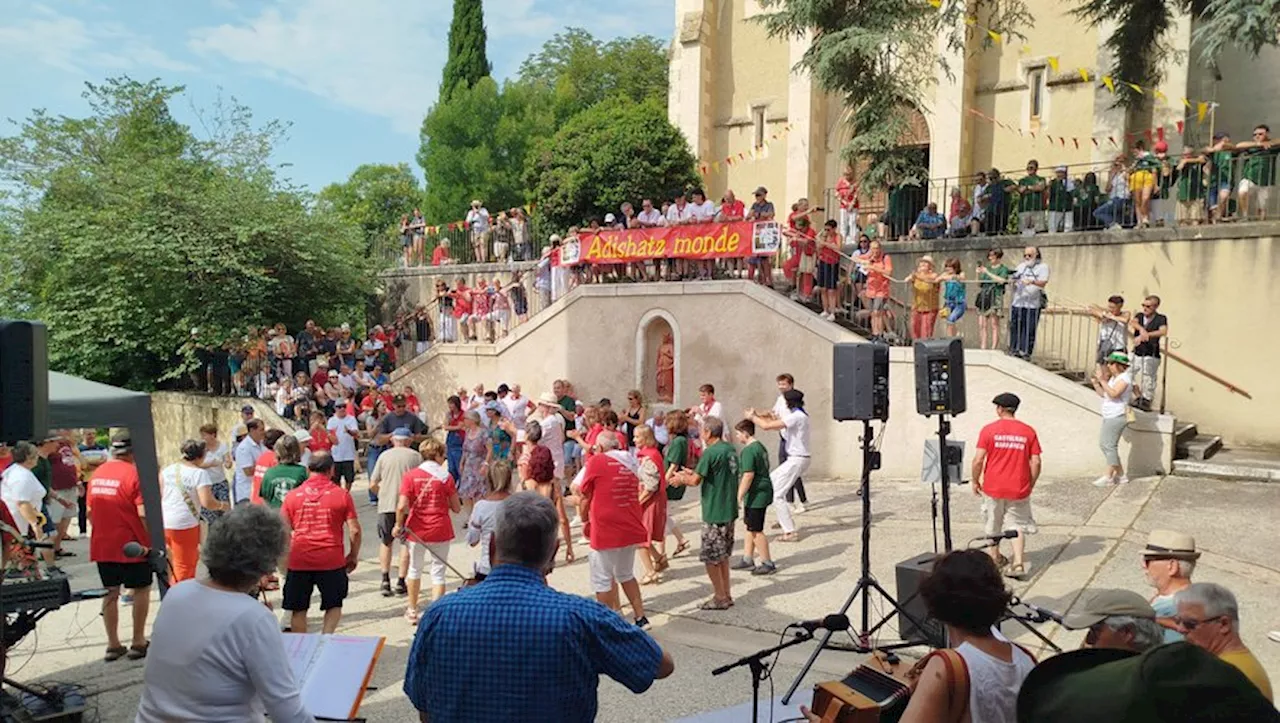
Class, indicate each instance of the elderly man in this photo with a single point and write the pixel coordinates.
(612, 523)
(384, 483)
(1119, 619)
(1006, 467)
(114, 497)
(717, 474)
(1210, 618)
(566, 642)
(246, 460)
(1168, 561)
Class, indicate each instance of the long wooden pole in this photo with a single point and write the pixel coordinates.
(1201, 370)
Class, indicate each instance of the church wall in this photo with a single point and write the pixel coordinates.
(1248, 94)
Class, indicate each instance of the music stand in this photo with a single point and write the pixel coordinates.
(866, 581)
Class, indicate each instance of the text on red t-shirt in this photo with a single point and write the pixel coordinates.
(428, 489)
(1009, 445)
(317, 510)
(113, 498)
(615, 504)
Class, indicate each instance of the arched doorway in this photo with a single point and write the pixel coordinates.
(658, 357)
(915, 137)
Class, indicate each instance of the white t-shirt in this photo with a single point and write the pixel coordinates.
(675, 214)
(216, 457)
(20, 485)
(174, 501)
(780, 411)
(517, 409)
(478, 219)
(553, 439)
(234, 643)
(705, 212)
(1118, 407)
(348, 381)
(796, 423)
(247, 453)
(345, 448)
(283, 397)
(701, 412)
(484, 520)
(1027, 295)
(652, 217)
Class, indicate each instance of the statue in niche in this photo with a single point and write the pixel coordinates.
(666, 381)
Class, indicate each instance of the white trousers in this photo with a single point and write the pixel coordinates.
(784, 478)
(417, 553)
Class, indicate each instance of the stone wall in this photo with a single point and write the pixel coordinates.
(179, 415)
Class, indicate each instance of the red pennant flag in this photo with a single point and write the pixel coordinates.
(742, 157)
(1148, 135)
(1181, 125)
(1062, 141)
(1113, 141)
(1077, 142)
(1033, 134)
(702, 170)
(1160, 133)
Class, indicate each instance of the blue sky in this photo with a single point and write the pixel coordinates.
(354, 77)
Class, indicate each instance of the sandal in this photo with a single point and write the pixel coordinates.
(411, 616)
(788, 537)
(714, 604)
(661, 563)
(684, 545)
(115, 653)
(651, 579)
(1016, 571)
(137, 652)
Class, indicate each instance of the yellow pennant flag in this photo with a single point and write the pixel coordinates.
(1025, 50)
(1084, 74)
(1201, 109)
(715, 166)
(1053, 62)
(1186, 102)
(936, 3)
(995, 37)
(1111, 84)
(1136, 87)
(1158, 94)
(970, 21)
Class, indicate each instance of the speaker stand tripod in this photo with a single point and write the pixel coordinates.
(866, 581)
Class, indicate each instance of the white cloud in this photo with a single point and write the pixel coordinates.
(67, 43)
(379, 57)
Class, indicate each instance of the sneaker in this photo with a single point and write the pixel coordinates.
(1274, 636)
(1105, 480)
(765, 568)
(743, 563)
(1124, 480)
(386, 588)
(799, 508)
(127, 598)
(373, 499)
(401, 588)
(642, 623)
(55, 571)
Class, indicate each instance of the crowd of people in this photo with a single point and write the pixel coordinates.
(521, 477)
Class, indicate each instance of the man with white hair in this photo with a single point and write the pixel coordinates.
(1209, 616)
(566, 642)
(1168, 561)
(1115, 619)
(384, 482)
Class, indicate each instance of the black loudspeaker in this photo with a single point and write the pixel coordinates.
(908, 575)
(860, 382)
(940, 377)
(24, 381)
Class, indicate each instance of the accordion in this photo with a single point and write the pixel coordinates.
(867, 695)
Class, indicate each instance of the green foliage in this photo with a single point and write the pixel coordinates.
(467, 62)
(1247, 24)
(374, 198)
(880, 57)
(126, 232)
(474, 146)
(580, 71)
(616, 151)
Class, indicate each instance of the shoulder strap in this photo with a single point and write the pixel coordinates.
(182, 490)
(1019, 646)
(957, 682)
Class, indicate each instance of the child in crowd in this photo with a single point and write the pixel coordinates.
(954, 300)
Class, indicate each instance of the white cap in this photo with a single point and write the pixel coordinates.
(609, 218)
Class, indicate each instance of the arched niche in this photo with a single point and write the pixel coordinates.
(653, 329)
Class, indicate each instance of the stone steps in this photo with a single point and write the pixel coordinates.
(1239, 464)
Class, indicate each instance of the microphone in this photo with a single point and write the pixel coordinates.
(834, 623)
(134, 549)
(1043, 615)
(1006, 535)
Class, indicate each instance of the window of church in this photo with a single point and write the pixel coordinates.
(757, 122)
(1035, 86)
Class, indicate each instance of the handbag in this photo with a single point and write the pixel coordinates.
(986, 298)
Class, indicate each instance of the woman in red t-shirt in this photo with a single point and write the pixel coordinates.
(427, 497)
(322, 440)
(653, 503)
(829, 269)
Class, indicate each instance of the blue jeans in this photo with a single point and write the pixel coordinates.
(1022, 330)
(453, 454)
(1112, 212)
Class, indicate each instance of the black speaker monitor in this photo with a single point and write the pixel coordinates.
(24, 381)
(940, 377)
(860, 382)
(908, 575)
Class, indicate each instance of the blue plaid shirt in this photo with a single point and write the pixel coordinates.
(512, 648)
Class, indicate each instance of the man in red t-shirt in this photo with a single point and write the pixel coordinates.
(315, 513)
(64, 494)
(1005, 469)
(611, 519)
(114, 500)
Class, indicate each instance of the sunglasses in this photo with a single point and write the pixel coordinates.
(1027, 256)
(1192, 623)
(1148, 306)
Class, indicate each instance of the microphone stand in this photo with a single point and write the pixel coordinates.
(755, 662)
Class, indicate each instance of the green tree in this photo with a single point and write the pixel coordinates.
(374, 198)
(879, 57)
(461, 157)
(467, 62)
(129, 232)
(1140, 46)
(580, 71)
(613, 152)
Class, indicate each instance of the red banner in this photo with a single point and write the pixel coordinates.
(739, 239)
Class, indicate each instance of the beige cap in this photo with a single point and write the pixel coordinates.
(548, 399)
(1096, 606)
(1170, 545)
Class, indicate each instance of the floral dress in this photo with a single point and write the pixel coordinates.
(501, 444)
(472, 485)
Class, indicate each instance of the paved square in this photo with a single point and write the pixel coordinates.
(1089, 538)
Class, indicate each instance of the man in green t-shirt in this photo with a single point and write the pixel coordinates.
(1061, 202)
(1257, 173)
(717, 474)
(755, 494)
(1031, 190)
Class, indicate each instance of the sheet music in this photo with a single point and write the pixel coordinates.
(331, 670)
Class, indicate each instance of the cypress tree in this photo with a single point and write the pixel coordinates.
(467, 62)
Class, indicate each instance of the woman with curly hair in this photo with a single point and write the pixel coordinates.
(542, 474)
